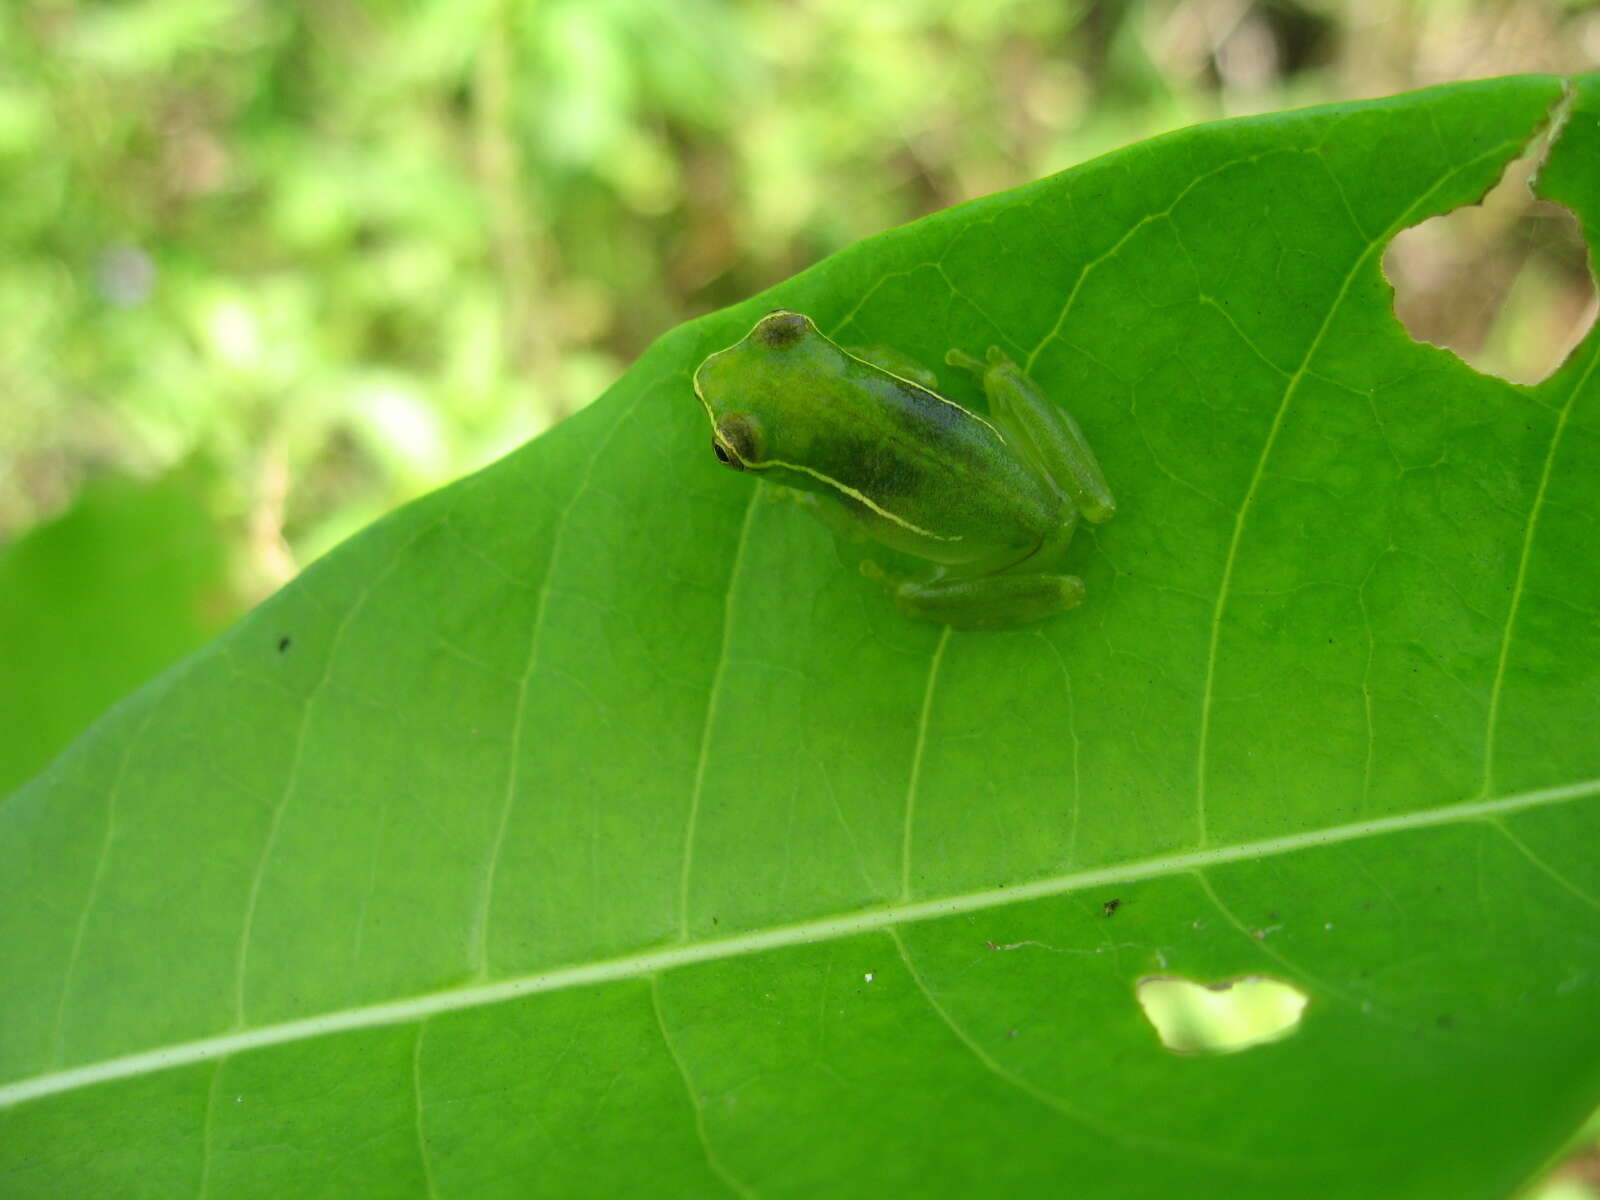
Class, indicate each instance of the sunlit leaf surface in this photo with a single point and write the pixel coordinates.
(592, 827)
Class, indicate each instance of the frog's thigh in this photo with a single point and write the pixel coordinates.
(989, 601)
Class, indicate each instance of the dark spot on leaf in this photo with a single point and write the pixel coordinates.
(284, 643)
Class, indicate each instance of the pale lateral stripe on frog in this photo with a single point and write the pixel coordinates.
(862, 497)
(912, 383)
(834, 483)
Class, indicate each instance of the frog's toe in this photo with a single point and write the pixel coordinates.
(960, 358)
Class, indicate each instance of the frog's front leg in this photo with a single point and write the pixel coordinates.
(1045, 429)
(833, 512)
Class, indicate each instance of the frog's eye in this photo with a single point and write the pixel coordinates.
(737, 441)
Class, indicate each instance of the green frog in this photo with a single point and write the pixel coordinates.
(990, 502)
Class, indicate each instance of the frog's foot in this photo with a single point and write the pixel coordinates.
(960, 358)
(985, 602)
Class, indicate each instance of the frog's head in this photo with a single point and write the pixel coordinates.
(740, 384)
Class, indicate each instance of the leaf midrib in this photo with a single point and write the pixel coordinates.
(649, 962)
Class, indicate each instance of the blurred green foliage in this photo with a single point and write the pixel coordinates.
(97, 600)
(349, 249)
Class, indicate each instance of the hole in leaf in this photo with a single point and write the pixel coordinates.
(1505, 284)
(1220, 1018)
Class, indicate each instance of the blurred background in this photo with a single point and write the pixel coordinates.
(269, 268)
(324, 256)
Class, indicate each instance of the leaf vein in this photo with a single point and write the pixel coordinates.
(479, 934)
(58, 1039)
(692, 821)
(1291, 388)
(292, 780)
(646, 962)
(1527, 853)
(1119, 1134)
(1530, 531)
(916, 764)
(417, 1108)
(729, 1180)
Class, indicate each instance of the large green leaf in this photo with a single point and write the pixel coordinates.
(593, 828)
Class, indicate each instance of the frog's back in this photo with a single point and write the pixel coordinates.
(929, 462)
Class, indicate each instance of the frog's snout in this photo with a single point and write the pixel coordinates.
(781, 328)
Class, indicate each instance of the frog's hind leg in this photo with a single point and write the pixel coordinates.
(984, 602)
(1044, 428)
